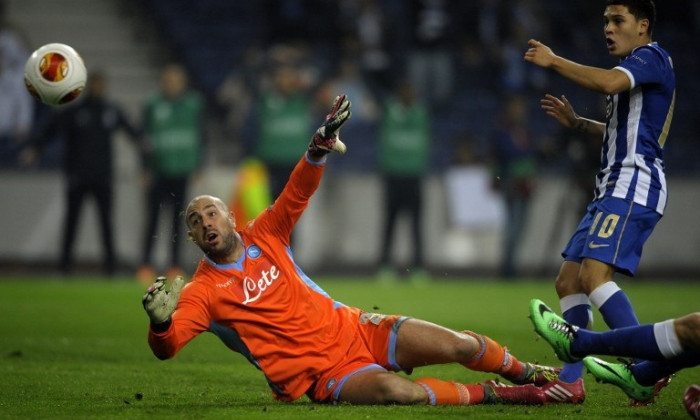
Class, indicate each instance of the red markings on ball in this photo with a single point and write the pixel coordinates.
(53, 67)
(70, 96)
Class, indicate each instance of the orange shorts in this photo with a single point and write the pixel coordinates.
(374, 349)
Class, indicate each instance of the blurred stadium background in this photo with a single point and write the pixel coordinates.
(229, 48)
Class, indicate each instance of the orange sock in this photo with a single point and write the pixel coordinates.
(492, 357)
(450, 392)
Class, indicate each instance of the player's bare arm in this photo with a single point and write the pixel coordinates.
(606, 81)
(562, 111)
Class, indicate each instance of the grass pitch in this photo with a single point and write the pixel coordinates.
(76, 348)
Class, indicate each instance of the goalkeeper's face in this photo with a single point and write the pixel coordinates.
(212, 227)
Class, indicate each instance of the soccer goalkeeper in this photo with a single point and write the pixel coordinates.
(248, 291)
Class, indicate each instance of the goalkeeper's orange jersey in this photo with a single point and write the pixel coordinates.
(264, 306)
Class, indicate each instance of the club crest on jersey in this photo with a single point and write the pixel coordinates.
(253, 251)
(330, 384)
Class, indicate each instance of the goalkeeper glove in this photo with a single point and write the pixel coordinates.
(158, 303)
(326, 138)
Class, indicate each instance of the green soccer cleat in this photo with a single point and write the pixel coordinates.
(554, 329)
(620, 375)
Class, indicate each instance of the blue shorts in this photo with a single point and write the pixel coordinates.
(612, 231)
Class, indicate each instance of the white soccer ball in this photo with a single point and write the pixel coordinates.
(55, 74)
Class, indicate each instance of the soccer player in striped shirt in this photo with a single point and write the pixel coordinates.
(630, 192)
(249, 291)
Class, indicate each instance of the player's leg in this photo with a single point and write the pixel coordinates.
(577, 277)
(576, 309)
(420, 343)
(688, 331)
(614, 243)
(647, 372)
(103, 196)
(516, 217)
(400, 344)
(672, 340)
(153, 211)
(75, 195)
(642, 380)
(656, 341)
(374, 386)
(573, 301)
(393, 190)
(612, 302)
(616, 238)
(413, 205)
(364, 377)
(392, 200)
(381, 387)
(623, 376)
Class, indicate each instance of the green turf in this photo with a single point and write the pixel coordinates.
(77, 348)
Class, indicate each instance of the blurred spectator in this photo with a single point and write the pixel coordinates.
(373, 41)
(16, 105)
(283, 124)
(13, 47)
(236, 95)
(174, 129)
(362, 127)
(88, 130)
(516, 76)
(300, 20)
(347, 79)
(250, 194)
(581, 156)
(501, 29)
(466, 147)
(513, 156)
(475, 67)
(490, 23)
(404, 158)
(431, 59)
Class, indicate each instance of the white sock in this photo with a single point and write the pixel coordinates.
(666, 339)
(568, 302)
(602, 293)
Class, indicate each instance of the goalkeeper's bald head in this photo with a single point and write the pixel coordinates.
(203, 201)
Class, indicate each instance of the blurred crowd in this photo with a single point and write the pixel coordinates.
(267, 71)
(463, 58)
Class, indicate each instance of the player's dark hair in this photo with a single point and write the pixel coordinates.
(640, 9)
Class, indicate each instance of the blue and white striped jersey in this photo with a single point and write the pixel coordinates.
(632, 158)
